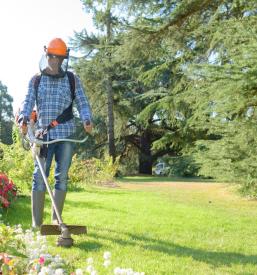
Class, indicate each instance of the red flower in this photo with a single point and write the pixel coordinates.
(8, 191)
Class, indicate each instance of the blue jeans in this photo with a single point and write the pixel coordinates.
(62, 152)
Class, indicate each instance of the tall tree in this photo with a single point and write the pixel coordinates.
(159, 47)
(6, 115)
(226, 99)
(213, 45)
(102, 46)
(166, 106)
(109, 89)
(140, 63)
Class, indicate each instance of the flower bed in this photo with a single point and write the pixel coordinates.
(25, 252)
(8, 192)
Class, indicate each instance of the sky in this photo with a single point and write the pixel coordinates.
(26, 27)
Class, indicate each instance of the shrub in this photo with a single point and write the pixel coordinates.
(92, 171)
(18, 164)
(181, 166)
(129, 163)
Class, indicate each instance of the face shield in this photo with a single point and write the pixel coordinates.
(53, 65)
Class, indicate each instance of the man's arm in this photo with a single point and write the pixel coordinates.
(83, 105)
(27, 107)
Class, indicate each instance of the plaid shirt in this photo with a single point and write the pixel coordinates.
(53, 97)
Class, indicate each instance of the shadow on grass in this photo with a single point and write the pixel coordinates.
(145, 179)
(90, 205)
(214, 258)
(88, 246)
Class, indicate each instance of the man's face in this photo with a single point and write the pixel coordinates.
(54, 65)
(54, 61)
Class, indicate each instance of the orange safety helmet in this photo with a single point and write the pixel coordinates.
(57, 47)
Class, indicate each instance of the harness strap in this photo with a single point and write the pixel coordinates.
(66, 115)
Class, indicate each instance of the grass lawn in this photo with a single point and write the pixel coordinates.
(159, 226)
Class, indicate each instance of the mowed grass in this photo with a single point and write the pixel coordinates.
(159, 226)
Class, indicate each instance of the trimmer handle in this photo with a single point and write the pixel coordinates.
(33, 139)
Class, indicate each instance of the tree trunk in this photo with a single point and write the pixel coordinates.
(145, 155)
(111, 138)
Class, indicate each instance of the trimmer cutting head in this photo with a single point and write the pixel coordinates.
(64, 231)
(54, 229)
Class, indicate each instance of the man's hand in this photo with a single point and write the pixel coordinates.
(22, 122)
(88, 126)
(24, 129)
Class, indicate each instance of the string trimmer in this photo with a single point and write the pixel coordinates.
(61, 228)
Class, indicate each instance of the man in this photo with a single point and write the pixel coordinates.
(52, 94)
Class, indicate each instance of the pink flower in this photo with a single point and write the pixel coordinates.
(5, 258)
(41, 260)
(5, 202)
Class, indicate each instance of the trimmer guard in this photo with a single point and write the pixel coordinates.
(54, 229)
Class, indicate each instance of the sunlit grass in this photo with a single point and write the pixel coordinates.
(160, 228)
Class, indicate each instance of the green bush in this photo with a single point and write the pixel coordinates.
(92, 171)
(129, 163)
(18, 164)
(182, 166)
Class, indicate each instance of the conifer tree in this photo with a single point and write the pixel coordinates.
(6, 115)
(104, 22)
(226, 99)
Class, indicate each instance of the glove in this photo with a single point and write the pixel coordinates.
(35, 150)
(22, 122)
(88, 126)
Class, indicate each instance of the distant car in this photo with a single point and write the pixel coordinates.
(161, 169)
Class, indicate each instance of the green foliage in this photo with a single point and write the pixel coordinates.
(225, 104)
(129, 163)
(6, 115)
(8, 242)
(17, 163)
(92, 171)
(12, 260)
(182, 166)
